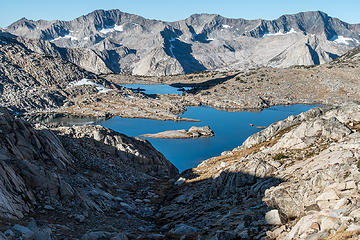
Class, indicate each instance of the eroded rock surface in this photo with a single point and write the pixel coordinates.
(32, 82)
(135, 152)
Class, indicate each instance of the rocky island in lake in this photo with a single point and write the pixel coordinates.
(193, 132)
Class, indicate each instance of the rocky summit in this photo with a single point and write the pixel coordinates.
(117, 42)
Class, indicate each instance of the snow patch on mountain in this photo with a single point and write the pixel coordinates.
(292, 30)
(344, 40)
(68, 36)
(109, 29)
(172, 47)
(85, 81)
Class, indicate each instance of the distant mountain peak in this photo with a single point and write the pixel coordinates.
(127, 43)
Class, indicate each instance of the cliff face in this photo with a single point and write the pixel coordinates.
(114, 41)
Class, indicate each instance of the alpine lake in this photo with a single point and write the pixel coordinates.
(231, 128)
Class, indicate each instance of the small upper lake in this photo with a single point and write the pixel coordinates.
(155, 89)
(231, 129)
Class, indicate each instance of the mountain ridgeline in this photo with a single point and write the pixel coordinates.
(117, 42)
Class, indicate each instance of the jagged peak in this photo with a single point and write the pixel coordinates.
(212, 16)
(104, 11)
(318, 12)
(21, 21)
(300, 15)
(196, 15)
(114, 12)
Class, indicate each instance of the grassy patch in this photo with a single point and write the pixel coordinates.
(342, 235)
(208, 169)
(280, 156)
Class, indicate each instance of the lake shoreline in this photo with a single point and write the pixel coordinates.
(236, 130)
(230, 128)
(176, 118)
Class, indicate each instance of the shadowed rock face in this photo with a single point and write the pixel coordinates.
(76, 173)
(114, 41)
(25, 156)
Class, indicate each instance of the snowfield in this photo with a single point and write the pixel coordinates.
(109, 29)
(85, 81)
(292, 30)
(68, 36)
(344, 40)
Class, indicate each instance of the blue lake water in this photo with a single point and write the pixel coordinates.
(231, 129)
(156, 89)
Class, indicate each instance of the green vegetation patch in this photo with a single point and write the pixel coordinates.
(280, 156)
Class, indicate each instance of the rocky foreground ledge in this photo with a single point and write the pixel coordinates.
(297, 179)
(193, 132)
(69, 182)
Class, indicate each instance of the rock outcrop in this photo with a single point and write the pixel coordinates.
(28, 162)
(114, 41)
(137, 153)
(31, 81)
(296, 179)
(68, 178)
(193, 132)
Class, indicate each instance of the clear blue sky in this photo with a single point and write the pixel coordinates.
(172, 10)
